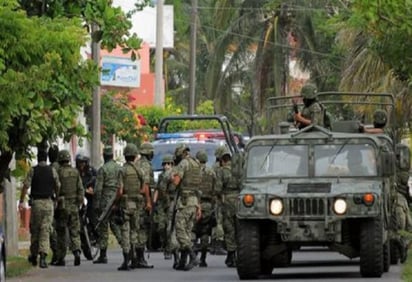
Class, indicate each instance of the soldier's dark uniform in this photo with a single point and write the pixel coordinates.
(44, 183)
(70, 198)
(187, 178)
(107, 183)
(207, 198)
(131, 188)
(228, 191)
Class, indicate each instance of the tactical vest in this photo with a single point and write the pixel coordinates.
(111, 171)
(42, 182)
(68, 179)
(230, 184)
(131, 181)
(192, 177)
(206, 184)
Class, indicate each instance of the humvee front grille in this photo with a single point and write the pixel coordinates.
(307, 207)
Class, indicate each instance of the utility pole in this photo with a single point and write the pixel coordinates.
(159, 90)
(192, 67)
(96, 107)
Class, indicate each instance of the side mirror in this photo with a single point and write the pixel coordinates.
(403, 156)
(387, 164)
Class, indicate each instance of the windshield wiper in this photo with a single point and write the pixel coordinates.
(267, 155)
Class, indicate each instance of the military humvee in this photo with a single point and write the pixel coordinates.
(316, 187)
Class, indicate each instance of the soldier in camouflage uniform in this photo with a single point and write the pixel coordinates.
(144, 232)
(53, 154)
(107, 183)
(402, 212)
(70, 198)
(132, 185)
(228, 191)
(163, 201)
(45, 184)
(312, 113)
(207, 198)
(187, 178)
(218, 235)
(380, 119)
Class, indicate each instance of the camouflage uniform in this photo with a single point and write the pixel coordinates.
(144, 232)
(218, 235)
(70, 198)
(229, 191)
(312, 110)
(164, 197)
(131, 180)
(208, 201)
(53, 153)
(107, 183)
(189, 172)
(44, 183)
(402, 212)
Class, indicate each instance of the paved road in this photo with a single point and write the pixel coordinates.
(307, 266)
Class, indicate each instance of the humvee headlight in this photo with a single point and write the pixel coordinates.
(248, 200)
(368, 199)
(340, 206)
(276, 206)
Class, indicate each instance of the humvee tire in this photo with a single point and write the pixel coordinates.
(371, 248)
(386, 256)
(248, 252)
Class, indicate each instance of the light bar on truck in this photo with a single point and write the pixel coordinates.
(200, 135)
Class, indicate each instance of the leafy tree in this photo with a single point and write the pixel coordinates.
(44, 81)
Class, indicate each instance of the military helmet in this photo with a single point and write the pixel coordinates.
(81, 158)
(309, 91)
(225, 152)
(146, 148)
(64, 156)
(108, 151)
(202, 156)
(130, 150)
(380, 117)
(219, 151)
(168, 158)
(180, 149)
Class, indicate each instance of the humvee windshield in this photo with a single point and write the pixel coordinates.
(278, 161)
(348, 160)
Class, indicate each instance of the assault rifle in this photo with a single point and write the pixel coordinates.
(172, 224)
(107, 211)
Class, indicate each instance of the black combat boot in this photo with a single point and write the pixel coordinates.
(59, 262)
(142, 263)
(182, 261)
(203, 259)
(175, 259)
(43, 263)
(125, 264)
(134, 262)
(193, 260)
(167, 255)
(32, 259)
(102, 257)
(231, 259)
(219, 248)
(76, 254)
